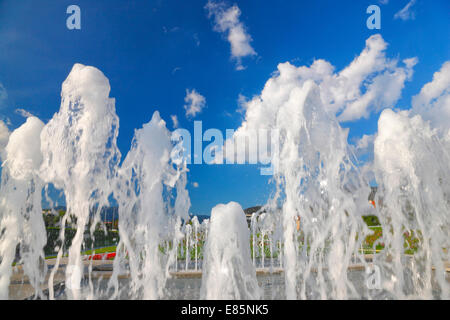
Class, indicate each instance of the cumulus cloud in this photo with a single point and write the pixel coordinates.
(406, 13)
(370, 83)
(195, 102)
(383, 91)
(382, 79)
(174, 121)
(365, 142)
(4, 137)
(363, 150)
(226, 20)
(433, 100)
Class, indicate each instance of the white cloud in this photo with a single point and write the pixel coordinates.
(365, 142)
(406, 13)
(3, 95)
(195, 102)
(24, 113)
(364, 146)
(432, 104)
(370, 83)
(383, 91)
(433, 100)
(4, 137)
(363, 150)
(382, 79)
(242, 103)
(196, 39)
(174, 121)
(195, 184)
(227, 21)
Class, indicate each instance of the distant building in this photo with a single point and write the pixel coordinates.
(249, 212)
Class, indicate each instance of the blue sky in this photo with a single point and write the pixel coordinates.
(153, 51)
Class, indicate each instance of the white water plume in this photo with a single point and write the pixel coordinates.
(228, 272)
(311, 229)
(412, 166)
(80, 155)
(319, 186)
(145, 181)
(20, 207)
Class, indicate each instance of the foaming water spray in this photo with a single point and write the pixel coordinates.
(20, 207)
(77, 153)
(145, 181)
(318, 187)
(228, 270)
(80, 157)
(412, 166)
(311, 229)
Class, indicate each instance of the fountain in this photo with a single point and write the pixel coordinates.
(20, 206)
(307, 242)
(144, 181)
(318, 185)
(414, 198)
(80, 156)
(229, 272)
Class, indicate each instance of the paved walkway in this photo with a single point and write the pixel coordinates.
(20, 287)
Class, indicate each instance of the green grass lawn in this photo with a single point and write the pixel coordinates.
(372, 244)
(89, 252)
